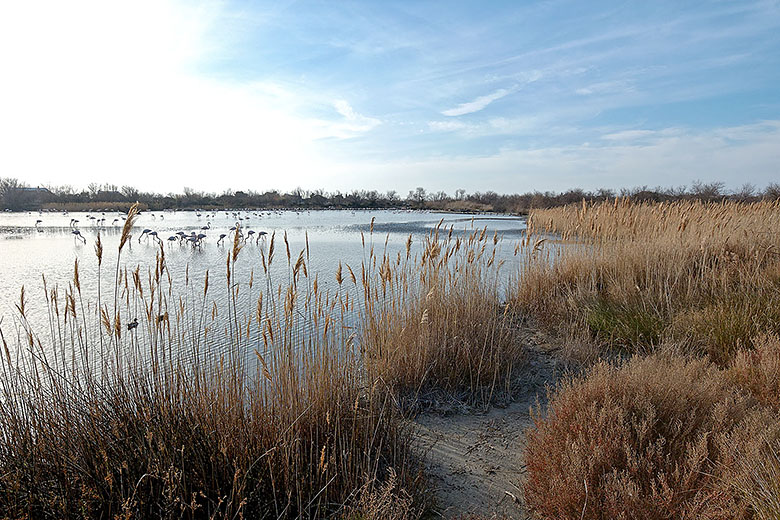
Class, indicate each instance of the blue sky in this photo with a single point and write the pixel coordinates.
(507, 96)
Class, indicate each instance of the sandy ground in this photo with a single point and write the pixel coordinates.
(476, 459)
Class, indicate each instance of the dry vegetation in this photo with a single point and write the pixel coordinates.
(100, 420)
(687, 427)
(436, 321)
(706, 276)
(639, 441)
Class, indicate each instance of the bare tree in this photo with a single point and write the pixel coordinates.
(130, 193)
(10, 193)
(93, 188)
(745, 192)
(772, 191)
(707, 191)
(418, 196)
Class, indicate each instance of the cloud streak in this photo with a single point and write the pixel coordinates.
(354, 123)
(478, 104)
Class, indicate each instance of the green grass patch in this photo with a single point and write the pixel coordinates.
(623, 325)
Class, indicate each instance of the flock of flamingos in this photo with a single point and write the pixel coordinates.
(193, 238)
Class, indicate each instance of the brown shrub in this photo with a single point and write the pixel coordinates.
(757, 370)
(636, 441)
(385, 501)
(751, 464)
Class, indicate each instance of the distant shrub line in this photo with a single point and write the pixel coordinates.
(16, 195)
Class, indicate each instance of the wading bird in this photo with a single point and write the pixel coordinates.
(133, 324)
(77, 235)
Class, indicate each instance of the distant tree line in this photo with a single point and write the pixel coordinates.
(17, 196)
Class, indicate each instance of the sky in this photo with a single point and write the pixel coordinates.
(510, 96)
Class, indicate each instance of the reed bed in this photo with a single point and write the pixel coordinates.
(163, 400)
(434, 327)
(103, 419)
(706, 275)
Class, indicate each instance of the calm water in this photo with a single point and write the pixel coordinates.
(31, 249)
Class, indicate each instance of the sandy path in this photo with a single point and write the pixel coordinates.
(475, 460)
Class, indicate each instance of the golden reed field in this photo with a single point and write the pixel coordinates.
(674, 310)
(102, 420)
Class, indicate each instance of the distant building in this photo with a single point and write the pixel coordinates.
(36, 191)
(110, 196)
(22, 197)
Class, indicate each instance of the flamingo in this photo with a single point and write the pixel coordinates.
(38, 222)
(143, 234)
(77, 235)
(221, 238)
(206, 227)
(194, 241)
(133, 324)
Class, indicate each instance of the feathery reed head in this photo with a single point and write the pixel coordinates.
(132, 214)
(99, 249)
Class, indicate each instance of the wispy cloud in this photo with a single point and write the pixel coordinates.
(352, 123)
(672, 157)
(605, 87)
(629, 135)
(447, 126)
(476, 105)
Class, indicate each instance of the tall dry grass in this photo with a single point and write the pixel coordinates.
(101, 420)
(706, 275)
(434, 323)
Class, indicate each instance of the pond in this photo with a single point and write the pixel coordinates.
(34, 246)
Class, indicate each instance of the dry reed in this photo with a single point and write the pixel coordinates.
(158, 423)
(433, 325)
(635, 274)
